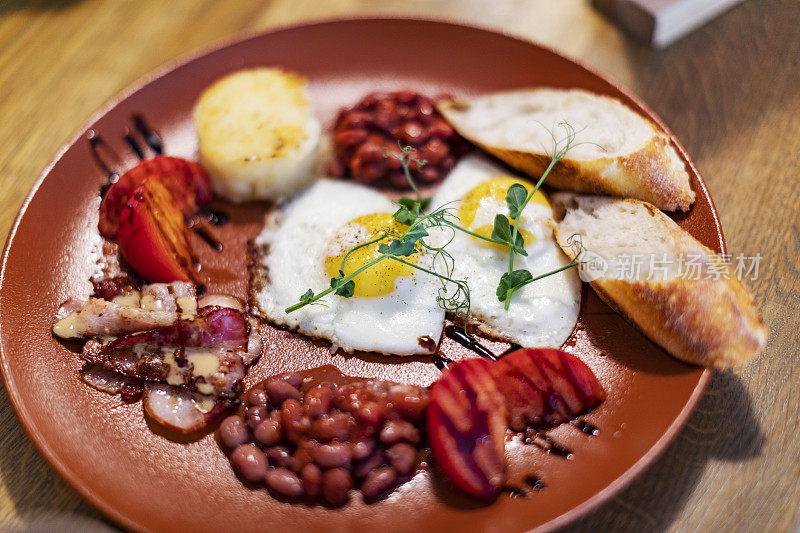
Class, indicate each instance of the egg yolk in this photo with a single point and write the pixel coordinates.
(379, 279)
(492, 194)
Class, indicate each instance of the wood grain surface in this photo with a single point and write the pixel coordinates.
(730, 92)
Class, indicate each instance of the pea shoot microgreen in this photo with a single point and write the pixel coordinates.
(517, 198)
(454, 294)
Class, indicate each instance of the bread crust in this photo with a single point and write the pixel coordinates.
(708, 322)
(647, 174)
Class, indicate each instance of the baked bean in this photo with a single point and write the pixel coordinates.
(356, 120)
(440, 129)
(413, 133)
(233, 431)
(332, 455)
(303, 455)
(406, 97)
(429, 174)
(312, 479)
(257, 396)
(331, 427)
(370, 415)
(380, 120)
(318, 400)
(373, 461)
(318, 442)
(371, 150)
(268, 432)
(378, 482)
(336, 484)
(447, 163)
(434, 151)
(399, 430)
(293, 421)
(362, 449)
(398, 180)
(349, 137)
(425, 112)
(250, 462)
(409, 404)
(402, 457)
(280, 391)
(336, 168)
(284, 482)
(254, 415)
(280, 457)
(386, 117)
(292, 378)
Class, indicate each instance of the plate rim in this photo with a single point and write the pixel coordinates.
(109, 510)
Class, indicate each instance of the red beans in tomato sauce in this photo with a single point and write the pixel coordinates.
(319, 440)
(368, 136)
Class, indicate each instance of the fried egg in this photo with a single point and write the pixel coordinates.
(393, 309)
(542, 313)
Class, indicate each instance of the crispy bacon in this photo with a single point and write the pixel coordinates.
(181, 410)
(156, 305)
(165, 354)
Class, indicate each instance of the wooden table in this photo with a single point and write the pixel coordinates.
(730, 92)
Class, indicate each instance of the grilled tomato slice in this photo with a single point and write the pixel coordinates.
(187, 182)
(152, 234)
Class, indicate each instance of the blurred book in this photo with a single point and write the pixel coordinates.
(662, 22)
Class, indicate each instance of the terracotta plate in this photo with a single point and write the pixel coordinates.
(116, 459)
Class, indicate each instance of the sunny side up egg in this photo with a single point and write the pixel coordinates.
(542, 313)
(393, 309)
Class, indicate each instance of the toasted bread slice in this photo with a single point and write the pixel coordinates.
(622, 153)
(682, 295)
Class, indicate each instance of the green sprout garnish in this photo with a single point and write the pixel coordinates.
(517, 198)
(453, 295)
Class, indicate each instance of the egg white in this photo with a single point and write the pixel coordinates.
(296, 240)
(542, 313)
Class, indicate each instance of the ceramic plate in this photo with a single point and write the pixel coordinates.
(124, 465)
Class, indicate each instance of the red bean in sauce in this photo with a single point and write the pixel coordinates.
(284, 482)
(324, 436)
(332, 455)
(268, 432)
(378, 482)
(233, 431)
(369, 131)
(311, 476)
(402, 457)
(336, 485)
(250, 462)
(280, 391)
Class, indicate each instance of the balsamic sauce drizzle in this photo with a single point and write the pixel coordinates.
(134, 146)
(534, 484)
(467, 341)
(586, 427)
(151, 137)
(544, 442)
(101, 151)
(98, 145)
(208, 238)
(441, 361)
(215, 217)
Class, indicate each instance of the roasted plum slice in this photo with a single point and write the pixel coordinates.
(467, 426)
(153, 235)
(475, 400)
(187, 182)
(545, 387)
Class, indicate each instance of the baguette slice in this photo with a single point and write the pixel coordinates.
(623, 154)
(684, 298)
